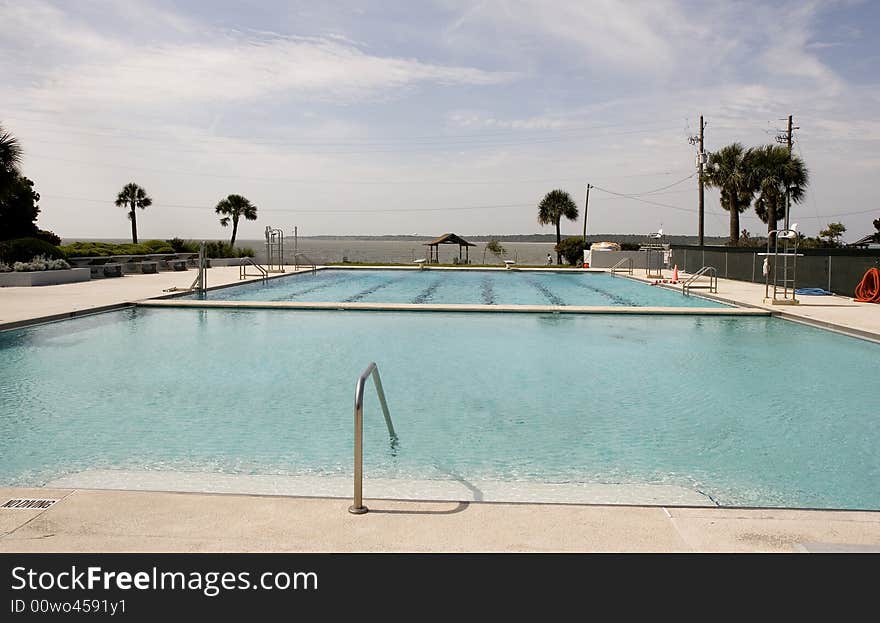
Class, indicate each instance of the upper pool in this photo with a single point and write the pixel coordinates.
(461, 286)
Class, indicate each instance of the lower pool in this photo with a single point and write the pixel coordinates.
(751, 411)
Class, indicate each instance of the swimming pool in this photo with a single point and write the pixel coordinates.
(460, 286)
(752, 411)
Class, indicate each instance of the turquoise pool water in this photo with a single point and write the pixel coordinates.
(461, 286)
(752, 411)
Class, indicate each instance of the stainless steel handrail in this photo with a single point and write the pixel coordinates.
(242, 269)
(357, 507)
(308, 262)
(712, 273)
(621, 262)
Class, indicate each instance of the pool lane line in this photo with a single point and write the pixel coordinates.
(368, 291)
(548, 294)
(618, 300)
(451, 307)
(425, 295)
(487, 291)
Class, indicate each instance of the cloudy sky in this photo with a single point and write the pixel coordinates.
(399, 118)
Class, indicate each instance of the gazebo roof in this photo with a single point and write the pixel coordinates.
(449, 239)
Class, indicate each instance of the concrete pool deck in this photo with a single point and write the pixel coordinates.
(129, 521)
(124, 520)
(26, 305)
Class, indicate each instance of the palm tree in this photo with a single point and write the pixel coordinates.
(10, 156)
(775, 172)
(553, 207)
(133, 196)
(728, 170)
(234, 207)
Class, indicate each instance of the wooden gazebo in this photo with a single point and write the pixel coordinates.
(434, 247)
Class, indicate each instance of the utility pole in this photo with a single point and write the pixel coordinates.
(586, 205)
(698, 140)
(787, 138)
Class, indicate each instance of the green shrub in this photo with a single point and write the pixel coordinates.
(183, 246)
(630, 246)
(88, 249)
(572, 249)
(25, 249)
(103, 249)
(218, 248)
(157, 246)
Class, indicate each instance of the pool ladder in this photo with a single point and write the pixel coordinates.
(357, 507)
(242, 269)
(307, 262)
(691, 282)
(624, 265)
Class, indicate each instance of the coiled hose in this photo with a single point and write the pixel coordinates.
(868, 290)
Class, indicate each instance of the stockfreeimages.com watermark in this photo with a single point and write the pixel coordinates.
(209, 583)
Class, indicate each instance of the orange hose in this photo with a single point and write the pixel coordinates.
(868, 290)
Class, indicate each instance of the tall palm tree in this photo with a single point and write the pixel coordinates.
(553, 207)
(728, 170)
(774, 172)
(133, 196)
(10, 156)
(234, 207)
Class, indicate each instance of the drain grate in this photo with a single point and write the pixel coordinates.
(27, 503)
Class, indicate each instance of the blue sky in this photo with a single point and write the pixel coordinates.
(401, 118)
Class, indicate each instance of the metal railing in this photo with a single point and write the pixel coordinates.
(357, 507)
(620, 263)
(242, 269)
(307, 262)
(691, 282)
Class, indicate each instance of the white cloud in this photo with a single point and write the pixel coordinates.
(90, 68)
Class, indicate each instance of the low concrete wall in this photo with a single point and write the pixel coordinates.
(607, 259)
(44, 277)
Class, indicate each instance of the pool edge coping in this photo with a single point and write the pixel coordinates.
(455, 307)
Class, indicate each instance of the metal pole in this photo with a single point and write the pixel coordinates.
(701, 203)
(586, 205)
(358, 508)
(787, 204)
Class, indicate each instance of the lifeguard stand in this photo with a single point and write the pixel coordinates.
(274, 250)
(656, 255)
(784, 267)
